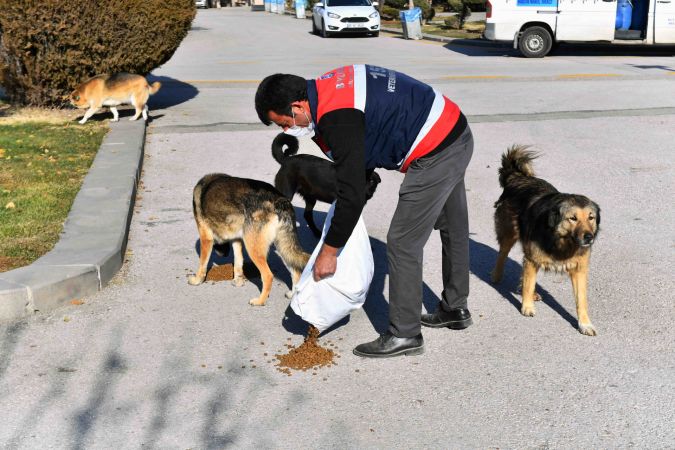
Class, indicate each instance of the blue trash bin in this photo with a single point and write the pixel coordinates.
(411, 20)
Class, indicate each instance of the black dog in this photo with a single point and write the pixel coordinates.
(312, 177)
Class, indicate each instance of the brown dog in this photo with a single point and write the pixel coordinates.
(114, 90)
(556, 231)
(252, 212)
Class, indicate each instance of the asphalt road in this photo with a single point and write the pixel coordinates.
(151, 362)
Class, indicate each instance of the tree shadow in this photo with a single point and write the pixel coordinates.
(483, 258)
(8, 342)
(173, 92)
(113, 368)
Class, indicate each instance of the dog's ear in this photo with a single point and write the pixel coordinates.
(554, 216)
(597, 213)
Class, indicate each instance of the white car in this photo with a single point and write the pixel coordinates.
(345, 16)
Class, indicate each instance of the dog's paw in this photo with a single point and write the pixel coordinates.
(257, 302)
(588, 329)
(537, 297)
(290, 293)
(82, 122)
(238, 281)
(528, 310)
(194, 280)
(115, 120)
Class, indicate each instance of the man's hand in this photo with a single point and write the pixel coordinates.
(325, 263)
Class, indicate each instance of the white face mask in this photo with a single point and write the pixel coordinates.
(300, 131)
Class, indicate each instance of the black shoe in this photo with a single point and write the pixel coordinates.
(456, 319)
(388, 345)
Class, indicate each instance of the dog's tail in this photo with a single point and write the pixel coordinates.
(371, 184)
(197, 201)
(516, 160)
(286, 242)
(154, 87)
(284, 140)
(197, 194)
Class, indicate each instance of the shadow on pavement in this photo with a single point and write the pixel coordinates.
(483, 258)
(173, 92)
(8, 341)
(376, 306)
(470, 47)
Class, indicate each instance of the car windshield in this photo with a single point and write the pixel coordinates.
(348, 3)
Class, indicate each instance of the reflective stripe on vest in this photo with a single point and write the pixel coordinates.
(442, 119)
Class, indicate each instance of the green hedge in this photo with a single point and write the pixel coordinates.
(47, 47)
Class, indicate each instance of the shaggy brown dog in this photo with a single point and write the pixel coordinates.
(252, 212)
(556, 231)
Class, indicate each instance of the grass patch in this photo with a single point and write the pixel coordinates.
(471, 30)
(42, 164)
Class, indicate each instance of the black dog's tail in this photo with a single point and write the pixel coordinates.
(284, 140)
(516, 160)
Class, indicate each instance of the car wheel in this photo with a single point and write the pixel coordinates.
(315, 30)
(324, 33)
(535, 42)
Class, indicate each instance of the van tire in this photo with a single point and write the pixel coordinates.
(535, 42)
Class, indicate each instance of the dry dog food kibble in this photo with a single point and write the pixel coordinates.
(220, 273)
(309, 355)
(225, 272)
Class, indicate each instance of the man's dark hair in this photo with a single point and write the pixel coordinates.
(277, 92)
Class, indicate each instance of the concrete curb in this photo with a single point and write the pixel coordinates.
(93, 241)
(453, 41)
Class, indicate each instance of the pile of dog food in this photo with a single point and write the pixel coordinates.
(309, 355)
(225, 272)
(220, 273)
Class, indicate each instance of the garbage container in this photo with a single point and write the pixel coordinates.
(268, 5)
(273, 6)
(411, 20)
(257, 5)
(281, 7)
(300, 9)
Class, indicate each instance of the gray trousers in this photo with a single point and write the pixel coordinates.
(432, 196)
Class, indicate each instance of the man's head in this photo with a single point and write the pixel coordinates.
(276, 94)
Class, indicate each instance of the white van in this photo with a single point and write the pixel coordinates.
(535, 26)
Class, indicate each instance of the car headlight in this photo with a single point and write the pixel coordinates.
(333, 15)
(373, 15)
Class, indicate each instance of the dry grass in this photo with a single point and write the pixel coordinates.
(12, 115)
(471, 30)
